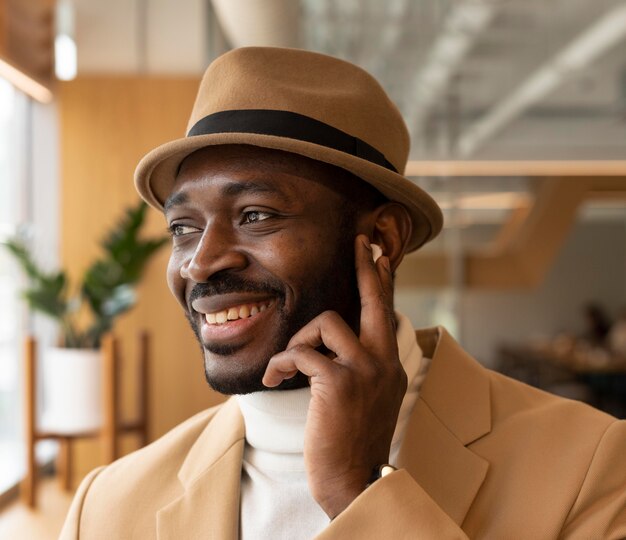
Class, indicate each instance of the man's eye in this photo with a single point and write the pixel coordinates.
(180, 230)
(255, 216)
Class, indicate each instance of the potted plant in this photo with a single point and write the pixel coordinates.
(72, 371)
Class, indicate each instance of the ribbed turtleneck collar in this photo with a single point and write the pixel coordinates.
(275, 419)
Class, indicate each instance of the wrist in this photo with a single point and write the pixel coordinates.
(341, 496)
(337, 495)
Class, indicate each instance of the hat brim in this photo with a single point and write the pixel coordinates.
(156, 173)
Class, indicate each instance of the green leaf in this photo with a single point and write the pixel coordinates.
(122, 299)
(46, 292)
(108, 283)
(22, 256)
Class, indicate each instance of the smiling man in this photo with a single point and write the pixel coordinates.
(269, 263)
(289, 216)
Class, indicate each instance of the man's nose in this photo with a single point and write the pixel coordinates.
(217, 250)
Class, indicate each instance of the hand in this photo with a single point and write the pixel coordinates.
(356, 395)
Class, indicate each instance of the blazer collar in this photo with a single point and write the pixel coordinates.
(453, 410)
(211, 476)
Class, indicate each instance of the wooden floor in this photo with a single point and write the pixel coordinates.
(17, 522)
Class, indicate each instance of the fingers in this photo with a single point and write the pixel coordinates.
(375, 284)
(299, 358)
(377, 336)
(386, 281)
(330, 330)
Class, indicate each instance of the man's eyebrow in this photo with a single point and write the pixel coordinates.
(257, 186)
(174, 200)
(231, 189)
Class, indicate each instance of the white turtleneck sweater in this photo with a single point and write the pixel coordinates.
(275, 498)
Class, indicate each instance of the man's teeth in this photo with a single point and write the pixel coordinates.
(234, 313)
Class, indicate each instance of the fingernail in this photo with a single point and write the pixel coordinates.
(385, 263)
(377, 252)
(366, 242)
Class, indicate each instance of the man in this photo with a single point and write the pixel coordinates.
(342, 424)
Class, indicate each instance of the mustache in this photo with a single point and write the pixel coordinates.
(233, 283)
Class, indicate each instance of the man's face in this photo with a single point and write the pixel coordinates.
(261, 245)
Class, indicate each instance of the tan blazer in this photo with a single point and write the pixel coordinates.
(484, 457)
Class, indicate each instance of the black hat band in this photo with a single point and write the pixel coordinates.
(289, 125)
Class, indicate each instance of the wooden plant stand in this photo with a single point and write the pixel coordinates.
(112, 426)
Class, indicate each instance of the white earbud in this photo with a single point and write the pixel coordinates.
(376, 252)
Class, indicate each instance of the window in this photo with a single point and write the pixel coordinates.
(28, 208)
(13, 201)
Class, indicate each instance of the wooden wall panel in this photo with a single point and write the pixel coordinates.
(27, 37)
(107, 125)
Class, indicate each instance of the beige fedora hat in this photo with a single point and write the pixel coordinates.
(300, 102)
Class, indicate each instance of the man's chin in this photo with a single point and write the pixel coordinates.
(222, 349)
(246, 380)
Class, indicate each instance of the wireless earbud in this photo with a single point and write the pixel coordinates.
(376, 251)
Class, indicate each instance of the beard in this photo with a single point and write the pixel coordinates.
(333, 288)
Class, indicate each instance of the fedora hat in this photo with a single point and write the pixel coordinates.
(300, 102)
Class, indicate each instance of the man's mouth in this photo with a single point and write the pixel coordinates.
(231, 315)
(243, 311)
(233, 318)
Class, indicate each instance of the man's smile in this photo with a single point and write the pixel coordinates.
(238, 312)
(231, 316)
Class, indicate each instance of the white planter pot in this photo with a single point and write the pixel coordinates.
(72, 390)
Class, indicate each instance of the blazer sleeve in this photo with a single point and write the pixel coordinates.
(71, 527)
(600, 508)
(397, 507)
(393, 507)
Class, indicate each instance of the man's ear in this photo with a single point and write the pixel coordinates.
(391, 230)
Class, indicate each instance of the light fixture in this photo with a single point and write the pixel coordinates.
(23, 82)
(65, 63)
(64, 57)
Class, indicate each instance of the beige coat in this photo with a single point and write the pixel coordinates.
(484, 457)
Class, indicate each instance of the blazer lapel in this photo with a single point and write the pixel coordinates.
(211, 476)
(453, 410)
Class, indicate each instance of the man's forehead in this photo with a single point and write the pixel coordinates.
(247, 157)
(237, 169)
(267, 170)
(230, 187)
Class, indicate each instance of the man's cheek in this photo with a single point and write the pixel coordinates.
(175, 282)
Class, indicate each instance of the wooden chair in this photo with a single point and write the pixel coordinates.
(112, 426)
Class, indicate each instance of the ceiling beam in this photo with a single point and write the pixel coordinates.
(527, 245)
(529, 254)
(542, 168)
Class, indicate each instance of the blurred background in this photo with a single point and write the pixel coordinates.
(517, 113)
